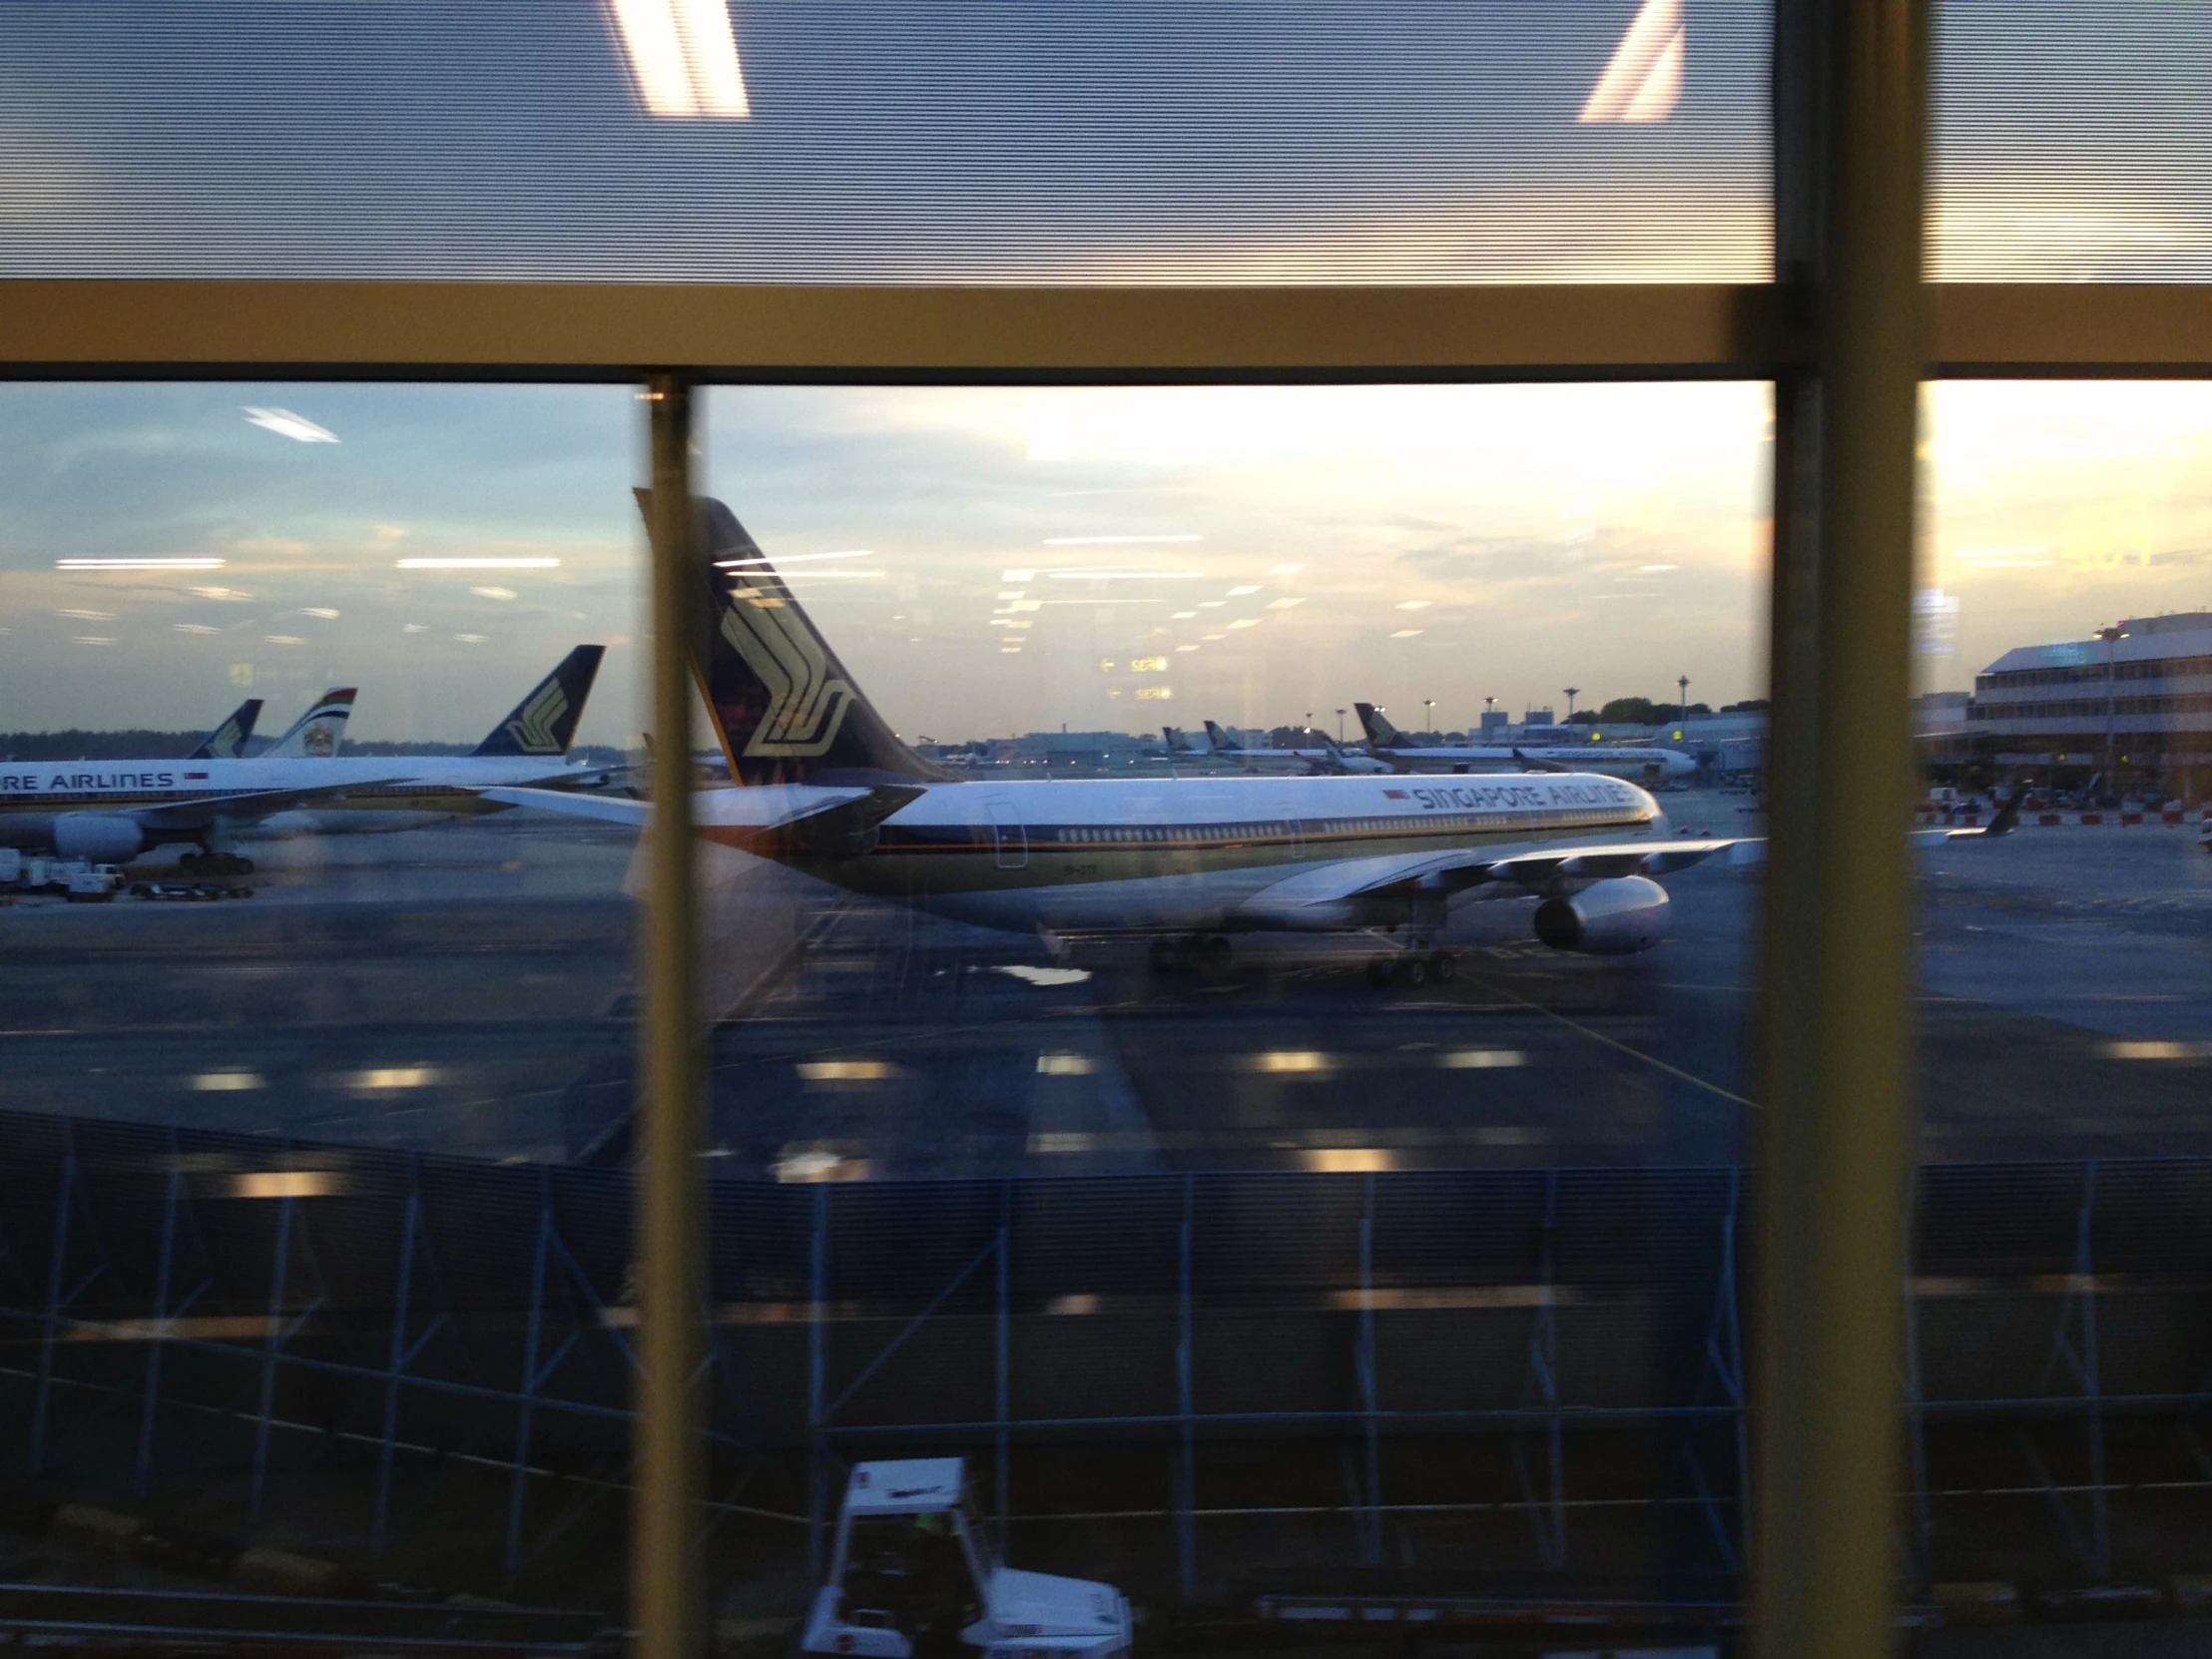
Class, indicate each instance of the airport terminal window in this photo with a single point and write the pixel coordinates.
(298, 1017)
(2066, 997)
(959, 141)
(2070, 143)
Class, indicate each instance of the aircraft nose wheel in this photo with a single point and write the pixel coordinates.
(1413, 970)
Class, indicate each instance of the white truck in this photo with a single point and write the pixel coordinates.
(913, 1577)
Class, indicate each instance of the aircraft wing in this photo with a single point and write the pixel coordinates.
(198, 815)
(610, 808)
(1314, 894)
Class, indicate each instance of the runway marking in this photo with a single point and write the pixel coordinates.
(1633, 1053)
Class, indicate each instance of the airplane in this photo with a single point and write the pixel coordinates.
(111, 810)
(228, 741)
(1646, 766)
(829, 789)
(1330, 758)
(317, 734)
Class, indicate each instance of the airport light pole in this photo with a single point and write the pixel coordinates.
(1572, 692)
(668, 1599)
(1429, 714)
(1682, 683)
(1340, 725)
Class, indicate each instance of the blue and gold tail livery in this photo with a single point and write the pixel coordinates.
(544, 723)
(228, 742)
(784, 707)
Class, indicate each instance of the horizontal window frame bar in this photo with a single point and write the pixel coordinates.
(618, 331)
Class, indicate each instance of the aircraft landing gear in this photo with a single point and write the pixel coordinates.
(1412, 970)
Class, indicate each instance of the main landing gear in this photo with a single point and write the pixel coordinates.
(1201, 952)
(1412, 970)
(215, 864)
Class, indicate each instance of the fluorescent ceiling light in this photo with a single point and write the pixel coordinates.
(138, 564)
(1643, 82)
(1123, 575)
(476, 564)
(1110, 541)
(286, 424)
(795, 558)
(684, 55)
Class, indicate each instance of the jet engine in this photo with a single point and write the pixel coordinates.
(104, 838)
(1607, 919)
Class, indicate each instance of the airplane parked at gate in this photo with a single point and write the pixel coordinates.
(1646, 766)
(115, 809)
(828, 789)
(1331, 758)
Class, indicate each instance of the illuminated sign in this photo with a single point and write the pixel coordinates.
(1148, 665)
(1155, 694)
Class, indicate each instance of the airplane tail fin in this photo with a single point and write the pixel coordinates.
(544, 723)
(2007, 816)
(784, 706)
(1218, 740)
(317, 733)
(228, 741)
(1380, 733)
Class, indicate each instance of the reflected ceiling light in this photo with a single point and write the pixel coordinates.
(1285, 570)
(1018, 576)
(1285, 604)
(328, 614)
(194, 628)
(1118, 573)
(473, 639)
(1246, 622)
(89, 616)
(1414, 604)
(475, 564)
(286, 424)
(795, 558)
(1240, 592)
(1405, 633)
(284, 638)
(1184, 616)
(684, 55)
(90, 639)
(1111, 541)
(138, 564)
(1643, 82)
(1658, 567)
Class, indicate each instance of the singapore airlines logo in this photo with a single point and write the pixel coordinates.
(807, 706)
(532, 727)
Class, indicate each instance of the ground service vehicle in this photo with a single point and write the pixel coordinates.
(913, 1575)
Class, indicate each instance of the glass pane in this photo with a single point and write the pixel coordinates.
(1082, 950)
(2072, 142)
(286, 992)
(2066, 663)
(961, 141)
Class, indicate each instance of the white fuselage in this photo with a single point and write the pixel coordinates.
(353, 793)
(1641, 766)
(1163, 855)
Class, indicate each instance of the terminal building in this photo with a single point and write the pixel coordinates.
(2132, 706)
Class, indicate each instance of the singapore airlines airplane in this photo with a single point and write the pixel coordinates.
(1328, 758)
(116, 810)
(1644, 766)
(228, 742)
(828, 789)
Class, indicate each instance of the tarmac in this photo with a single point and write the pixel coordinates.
(467, 989)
